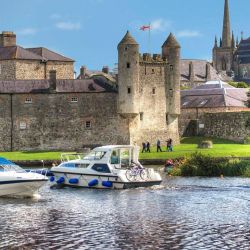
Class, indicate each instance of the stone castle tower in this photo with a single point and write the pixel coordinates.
(149, 90)
(223, 54)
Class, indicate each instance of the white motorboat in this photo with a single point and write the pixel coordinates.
(15, 181)
(109, 167)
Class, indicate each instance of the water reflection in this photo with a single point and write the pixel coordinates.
(184, 213)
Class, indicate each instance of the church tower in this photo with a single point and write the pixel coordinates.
(223, 54)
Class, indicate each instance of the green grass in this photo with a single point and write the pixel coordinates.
(221, 148)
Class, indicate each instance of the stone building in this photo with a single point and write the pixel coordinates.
(52, 113)
(231, 58)
(213, 97)
(17, 63)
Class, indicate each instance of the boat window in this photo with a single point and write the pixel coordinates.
(1, 169)
(103, 168)
(125, 157)
(68, 165)
(95, 155)
(115, 159)
(80, 165)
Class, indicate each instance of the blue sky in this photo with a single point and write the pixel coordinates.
(89, 30)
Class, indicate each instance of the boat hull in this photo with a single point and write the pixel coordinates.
(23, 188)
(117, 182)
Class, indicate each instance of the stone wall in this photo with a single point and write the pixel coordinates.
(230, 125)
(7, 70)
(64, 70)
(191, 120)
(53, 122)
(28, 69)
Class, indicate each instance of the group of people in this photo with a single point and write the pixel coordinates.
(146, 146)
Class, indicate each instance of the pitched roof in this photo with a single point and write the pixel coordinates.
(213, 94)
(17, 52)
(62, 86)
(49, 55)
(199, 67)
(128, 39)
(171, 42)
(243, 52)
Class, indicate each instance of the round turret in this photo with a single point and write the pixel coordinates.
(128, 76)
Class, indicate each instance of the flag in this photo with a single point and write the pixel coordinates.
(145, 27)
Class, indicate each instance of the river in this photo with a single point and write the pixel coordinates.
(182, 213)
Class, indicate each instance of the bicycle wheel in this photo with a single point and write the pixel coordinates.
(144, 174)
(130, 175)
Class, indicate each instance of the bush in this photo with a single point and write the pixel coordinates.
(239, 84)
(203, 165)
(247, 140)
(205, 144)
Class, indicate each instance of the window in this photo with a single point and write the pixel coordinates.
(103, 168)
(171, 67)
(153, 71)
(88, 124)
(23, 125)
(153, 91)
(28, 100)
(141, 116)
(74, 99)
(171, 93)
(128, 65)
(129, 90)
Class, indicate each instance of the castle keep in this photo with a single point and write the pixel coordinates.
(43, 108)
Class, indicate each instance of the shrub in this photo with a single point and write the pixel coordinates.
(247, 140)
(205, 144)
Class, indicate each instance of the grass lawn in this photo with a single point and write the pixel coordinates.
(222, 148)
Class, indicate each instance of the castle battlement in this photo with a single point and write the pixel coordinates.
(148, 58)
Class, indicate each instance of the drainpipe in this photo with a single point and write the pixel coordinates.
(11, 122)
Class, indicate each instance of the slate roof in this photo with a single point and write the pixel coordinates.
(41, 54)
(199, 70)
(212, 95)
(243, 52)
(62, 86)
(49, 55)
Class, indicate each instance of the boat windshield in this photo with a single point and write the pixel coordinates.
(11, 168)
(95, 155)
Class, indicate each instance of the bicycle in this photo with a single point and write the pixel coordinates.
(136, 171)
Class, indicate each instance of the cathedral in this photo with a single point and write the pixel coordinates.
(231, 58)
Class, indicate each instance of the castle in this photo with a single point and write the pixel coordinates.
(43, 108)
(230, 57)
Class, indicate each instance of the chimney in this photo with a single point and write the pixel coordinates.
(208, 72)
(52, 78)
(7, 38)
(191, 72)
(83, 70)
(105, 69)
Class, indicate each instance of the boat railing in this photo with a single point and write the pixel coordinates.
(72, 156)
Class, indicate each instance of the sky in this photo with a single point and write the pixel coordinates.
(88, 31)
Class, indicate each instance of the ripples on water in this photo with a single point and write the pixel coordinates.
(183, 213)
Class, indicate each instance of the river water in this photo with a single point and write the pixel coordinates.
(183, 213)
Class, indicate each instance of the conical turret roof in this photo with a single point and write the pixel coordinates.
(171, 42)
(128, 39)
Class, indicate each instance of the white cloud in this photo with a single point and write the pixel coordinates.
(27, 31)
(160, 25)
(68, 25)
(188, 33)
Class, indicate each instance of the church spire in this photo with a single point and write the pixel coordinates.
(233, 41)
(226, 34)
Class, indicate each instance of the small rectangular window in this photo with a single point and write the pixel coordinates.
(88, 124)
(141, 116)
(171, 67)
(129, 90)
(74, 99)
(153, 91)
(128, 65)
(28, 100)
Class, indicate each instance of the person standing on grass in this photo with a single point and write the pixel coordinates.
(169, 145)
(148, 147)
(143, 147)
(158, 144)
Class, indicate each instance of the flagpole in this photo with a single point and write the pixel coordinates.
(149, 38)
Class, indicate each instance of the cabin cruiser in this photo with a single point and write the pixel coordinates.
(15, 181)
(109, 167)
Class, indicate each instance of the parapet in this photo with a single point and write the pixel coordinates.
(148, 58)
